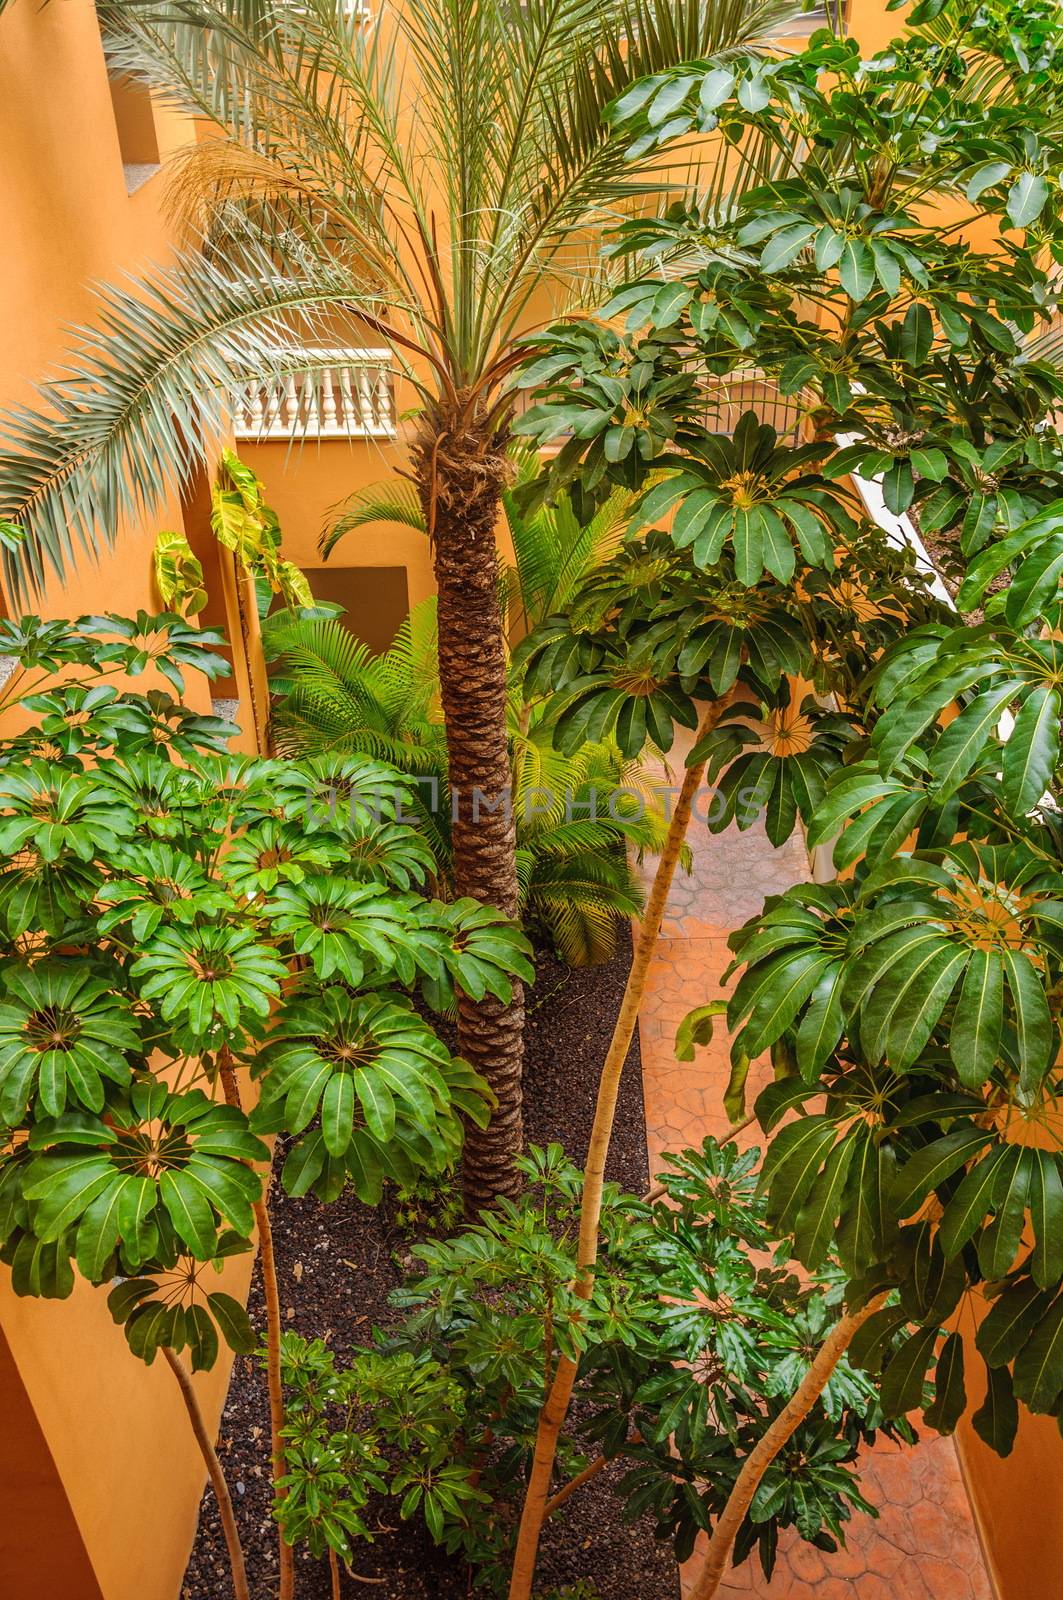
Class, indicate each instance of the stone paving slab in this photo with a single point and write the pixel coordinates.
(924, 1544)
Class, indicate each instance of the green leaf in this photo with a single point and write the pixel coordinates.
(814, 1232)
(233, 1321)
(997, 1419)
(127, 1295)
(98, 1229)
(696, 1029)
(147, 1328)
(1000, 1241)
(903, 1380)
(734, 1098)
(857, 269)
(987, 176)
(1035, 1033)
(822, 1024)
(668, 98)
(974, 1040)
(201, 1337)
(1029, 758)
(190, 1213)
(873, 1340)
(1038, 1371)
(1007, 1325)
(1026, 198)
(66, 1192)
(929, 1168)
(716, 87)
(917, 335)
(971, 1203)
(920, 1003)
(962, 742)
(785, 246)
(950, 1392)
(337, 1113)
(1046, 1216)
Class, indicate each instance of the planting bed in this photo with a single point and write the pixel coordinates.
(337, 1266)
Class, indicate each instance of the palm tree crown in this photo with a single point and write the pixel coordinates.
(416, 177)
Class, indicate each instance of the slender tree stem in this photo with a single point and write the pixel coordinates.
(555, 1408)
(271, 1296)
(214, 1469)
(334, 1574)
(573, 1484)
(767, 1448)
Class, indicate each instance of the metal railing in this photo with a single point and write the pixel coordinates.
(755, 391)
(345, 394)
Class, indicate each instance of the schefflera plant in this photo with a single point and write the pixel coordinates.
(164, 922)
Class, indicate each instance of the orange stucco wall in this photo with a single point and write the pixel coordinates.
(99, 1475)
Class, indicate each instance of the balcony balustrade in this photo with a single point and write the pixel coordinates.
(343, 394)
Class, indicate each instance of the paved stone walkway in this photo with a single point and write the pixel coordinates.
(924, 1545)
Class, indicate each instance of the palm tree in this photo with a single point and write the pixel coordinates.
(419, 179)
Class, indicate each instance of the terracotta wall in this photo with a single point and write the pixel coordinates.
(99, 1475)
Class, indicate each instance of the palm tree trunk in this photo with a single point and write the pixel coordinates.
(555, 1410)
(214, 1470)
(461, 468)
(767, 1448)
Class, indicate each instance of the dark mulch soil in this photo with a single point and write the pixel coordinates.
(944, 551)
(337, 1267)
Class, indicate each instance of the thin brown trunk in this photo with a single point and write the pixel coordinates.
(214, 1470)
(271, 1296)
(767, 1448)
(556, 1501)
(334, 1574)
(461, 469)
(555, 1410)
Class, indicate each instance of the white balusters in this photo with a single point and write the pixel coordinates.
(329, 419)
(349, 418)
(344, 394)
(291, 404)
(273, 408)
(383, 399)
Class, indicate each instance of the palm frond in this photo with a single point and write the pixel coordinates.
(393, 501)
(143, 401)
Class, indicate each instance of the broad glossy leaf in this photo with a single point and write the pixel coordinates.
(1031, 754)
(233, 1321)
(1038, 1370)
(999, 1243)
(974, 1038)
(1026, 198)
(930, 1167)
(950, 1392)
(971, 1203)
(904, 1379)
(997, 1418)
(1046, 1216)
(1008, 1323)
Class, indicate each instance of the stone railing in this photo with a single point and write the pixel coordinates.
(346, 394)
